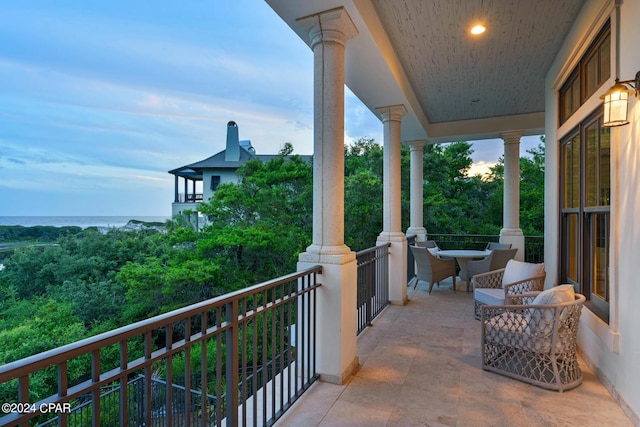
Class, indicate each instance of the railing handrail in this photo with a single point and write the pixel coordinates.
(372, 249)
(470, 235)
(57, 355)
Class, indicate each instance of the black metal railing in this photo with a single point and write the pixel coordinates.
(534, 249)
(411, 262)
(81, 413)
(241, 358)
(373, 283)
(189, 198)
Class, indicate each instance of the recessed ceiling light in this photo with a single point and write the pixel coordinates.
(478, 29)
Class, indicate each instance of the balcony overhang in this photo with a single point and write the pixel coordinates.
(454, 87)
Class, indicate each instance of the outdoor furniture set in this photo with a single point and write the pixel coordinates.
(528, 333)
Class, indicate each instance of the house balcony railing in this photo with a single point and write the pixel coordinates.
(189, 198)
(255, 349)
(373, 283)
(243, 357)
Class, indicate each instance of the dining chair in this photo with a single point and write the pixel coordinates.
(498, 258)
(496, 245)
(432, 269)
(427, 244)
(494, 261)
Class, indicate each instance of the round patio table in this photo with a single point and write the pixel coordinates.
(463, 256)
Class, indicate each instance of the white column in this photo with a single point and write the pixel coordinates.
(336, 306)
(416, 226)
(511, 232)
(392, 219)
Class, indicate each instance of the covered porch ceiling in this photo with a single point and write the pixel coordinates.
(455, 86)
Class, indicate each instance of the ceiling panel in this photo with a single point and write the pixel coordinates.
(456, 76)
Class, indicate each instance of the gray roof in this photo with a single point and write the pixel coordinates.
(217, 161)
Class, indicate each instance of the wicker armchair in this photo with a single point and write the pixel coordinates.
(498, 286)
(432, 269)
(533, 342)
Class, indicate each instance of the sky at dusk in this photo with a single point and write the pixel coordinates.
(98, 100)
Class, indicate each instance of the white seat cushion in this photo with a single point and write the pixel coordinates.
(543, 319)
(516, 271)
(489, 296)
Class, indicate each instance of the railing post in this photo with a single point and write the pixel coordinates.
(123, 396)
(23, 393)
(231, 372)
(370, 283)
(95, 395)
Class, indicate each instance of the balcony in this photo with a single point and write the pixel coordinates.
(420, 365)
(189, 198)
(242, 358)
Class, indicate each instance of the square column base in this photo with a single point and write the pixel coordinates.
(397, 265)
(516, 238)
(336, 315)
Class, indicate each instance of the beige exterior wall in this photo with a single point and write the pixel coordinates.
(226, 176)
(612, 350)
(178, 208)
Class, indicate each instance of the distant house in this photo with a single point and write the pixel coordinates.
(198, 181)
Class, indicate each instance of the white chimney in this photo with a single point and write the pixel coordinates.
(232, 153)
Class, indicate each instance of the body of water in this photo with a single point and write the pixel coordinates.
(80, 221)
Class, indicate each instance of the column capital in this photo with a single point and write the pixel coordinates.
(416, 144)
(333, 25)
(512, 137)
(392, 112)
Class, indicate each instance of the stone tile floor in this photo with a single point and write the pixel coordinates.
(420, 365)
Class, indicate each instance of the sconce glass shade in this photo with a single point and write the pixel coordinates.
(616, 104)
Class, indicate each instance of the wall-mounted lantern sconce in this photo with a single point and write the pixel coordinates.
(616, 101)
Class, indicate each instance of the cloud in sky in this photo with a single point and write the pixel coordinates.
(106, 97)
(98, 100)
